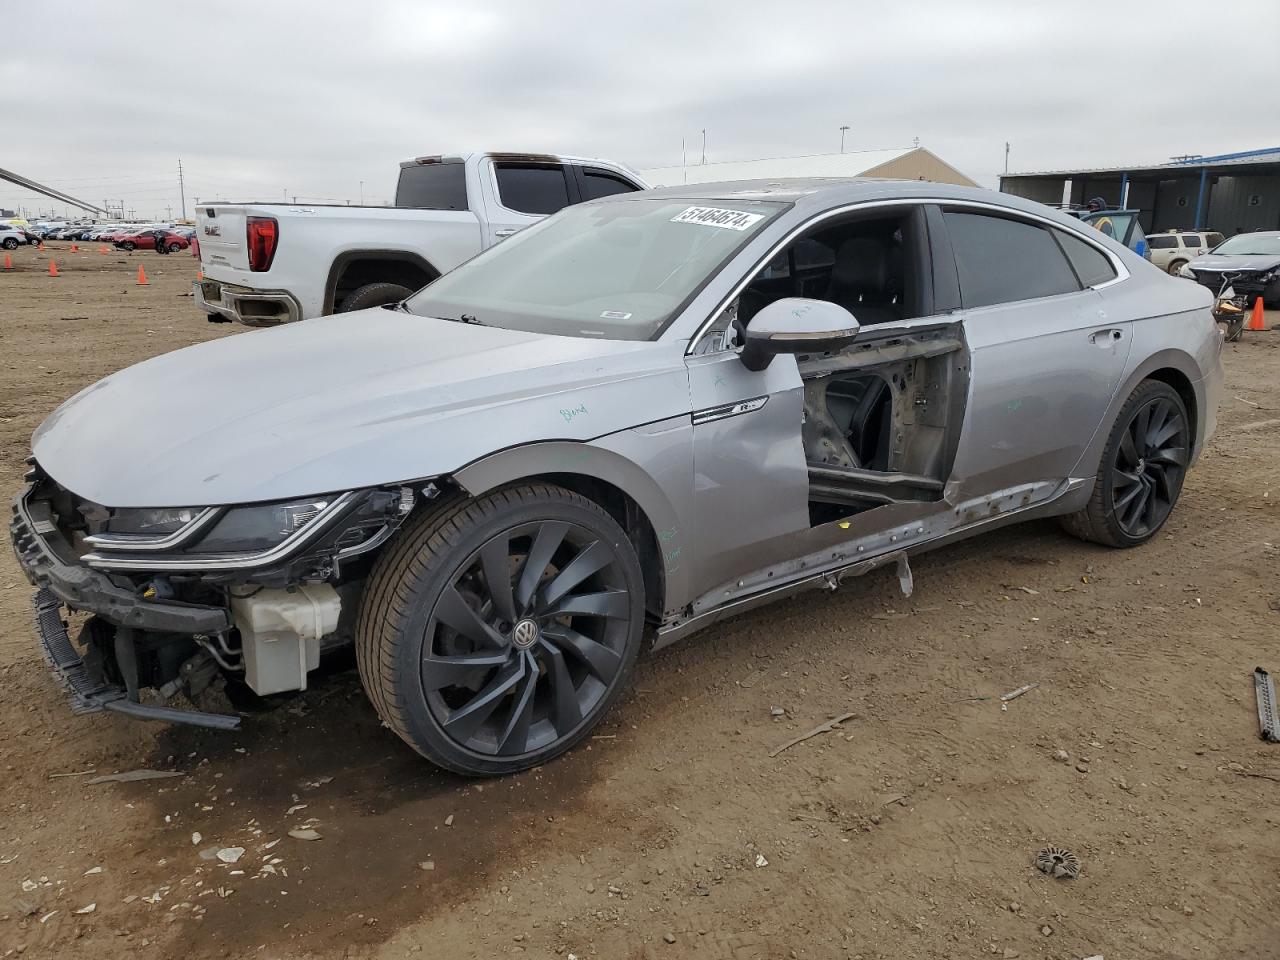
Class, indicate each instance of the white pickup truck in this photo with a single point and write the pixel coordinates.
(270, 263)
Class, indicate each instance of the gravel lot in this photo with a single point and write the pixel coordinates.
(907, 832)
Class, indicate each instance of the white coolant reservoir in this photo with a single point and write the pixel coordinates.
(280, 632)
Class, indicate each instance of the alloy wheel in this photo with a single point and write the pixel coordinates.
(1150, 462)
(526, 639)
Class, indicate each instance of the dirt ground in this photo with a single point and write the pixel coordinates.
(908, 832)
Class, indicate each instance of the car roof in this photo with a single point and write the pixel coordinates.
(819, 193)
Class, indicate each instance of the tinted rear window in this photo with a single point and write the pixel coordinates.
(532, 188)
(1165, 242)
(1188, 240)
(433, 186)
(1001, 260)
(1090, 263)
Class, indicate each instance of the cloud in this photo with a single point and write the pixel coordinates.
(267, 100)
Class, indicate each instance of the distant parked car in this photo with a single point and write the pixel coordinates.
(146, 240)
(1248, 262)
(12, 237)
(1173, 250)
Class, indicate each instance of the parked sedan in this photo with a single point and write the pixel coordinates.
(640, 416)
(1248, 262)
(146, 240)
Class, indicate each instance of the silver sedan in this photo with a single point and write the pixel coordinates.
(638, 417)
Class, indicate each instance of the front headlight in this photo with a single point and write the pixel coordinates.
(150, 522)
(1186, 271)
(257, 528)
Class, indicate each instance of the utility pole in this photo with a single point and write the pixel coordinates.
(362, 193)
(1006, 156)
(843, 130)
(704, 145)
(182, 189)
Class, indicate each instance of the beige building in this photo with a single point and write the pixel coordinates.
(910, 163)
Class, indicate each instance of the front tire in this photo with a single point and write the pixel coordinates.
(175, 247)
(10, 243)
(374, 295)
(495, 632)
(1142, 469)
(128, 246)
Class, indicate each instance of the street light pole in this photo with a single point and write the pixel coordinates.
(843, 130)
(362, 193)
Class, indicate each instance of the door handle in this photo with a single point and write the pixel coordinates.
(1105, 338)
(504, 231)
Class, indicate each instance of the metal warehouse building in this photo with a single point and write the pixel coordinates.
(1230, 193)
(909, 163)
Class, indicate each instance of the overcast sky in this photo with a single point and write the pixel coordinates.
(270, 98)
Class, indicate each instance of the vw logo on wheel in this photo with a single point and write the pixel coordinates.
(525, 633)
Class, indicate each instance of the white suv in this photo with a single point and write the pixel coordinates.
(1173, 250)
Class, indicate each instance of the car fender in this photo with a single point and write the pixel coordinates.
(665, 446)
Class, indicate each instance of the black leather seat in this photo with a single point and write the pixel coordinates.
(861, 281)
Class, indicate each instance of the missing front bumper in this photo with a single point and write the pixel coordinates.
(91, 695)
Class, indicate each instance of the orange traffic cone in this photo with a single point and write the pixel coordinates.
(199, 272)
(74, 248)
(103, 249)
(8, 262)
(1255, 321)
(142, 276)
(53, 268)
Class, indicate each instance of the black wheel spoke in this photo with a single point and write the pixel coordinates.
(1124, 479)
(495, 559)
(599, 659)
(439, 672)
(1128, 450)
(593, 559)
(463, 722)
(515, 735)
(548, 539)
(1131, 494)
(1137, 506)
(1166, 432)
(607, 603)
(1157, 414)
(1174, 456)
(453, 610)
(1163, 485)
(566, 714)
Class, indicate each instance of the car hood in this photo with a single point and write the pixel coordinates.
(1251, 264)
(359, 399)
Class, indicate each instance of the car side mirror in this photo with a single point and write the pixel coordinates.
(796, 325)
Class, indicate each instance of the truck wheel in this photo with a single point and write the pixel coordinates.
(1141, 472)
(495, 632)
(373, 295)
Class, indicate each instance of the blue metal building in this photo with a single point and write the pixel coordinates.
(1230, 193)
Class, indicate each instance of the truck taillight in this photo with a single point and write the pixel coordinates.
(263, 232)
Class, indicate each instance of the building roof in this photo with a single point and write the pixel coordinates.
(1244, 158)
(850, 164)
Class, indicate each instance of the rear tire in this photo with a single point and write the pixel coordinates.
(374, 295)
(1141, 472)
(175, 247)
(128, 246)
(481, 665)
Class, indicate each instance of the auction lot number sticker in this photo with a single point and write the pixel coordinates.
(716, 217)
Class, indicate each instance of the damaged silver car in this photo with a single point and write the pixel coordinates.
(636, 418)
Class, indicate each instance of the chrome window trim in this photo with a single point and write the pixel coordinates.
(1122, 272)
(132, 542)
(239, 561)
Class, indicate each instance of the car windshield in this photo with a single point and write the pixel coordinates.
(617, 270)
(1250, 245)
